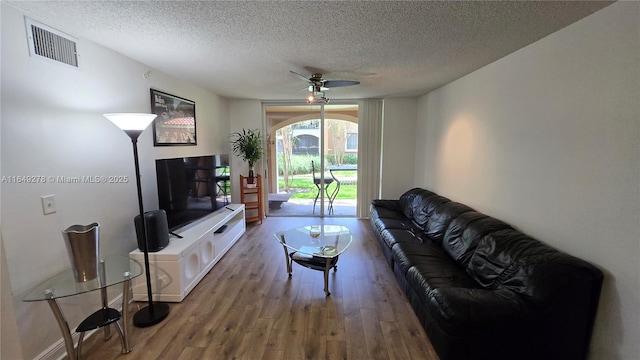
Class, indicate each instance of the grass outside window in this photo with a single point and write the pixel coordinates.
(302, 186)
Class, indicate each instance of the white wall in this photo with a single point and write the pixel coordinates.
(547, 139)
(398, 146)
(52, 126)
(244, 114)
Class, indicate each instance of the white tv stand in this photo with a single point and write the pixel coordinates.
(179, 267)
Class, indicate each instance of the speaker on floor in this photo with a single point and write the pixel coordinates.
(157, 230)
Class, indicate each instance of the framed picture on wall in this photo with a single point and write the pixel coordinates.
(175, 123)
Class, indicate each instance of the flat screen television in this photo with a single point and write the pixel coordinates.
(191, 187)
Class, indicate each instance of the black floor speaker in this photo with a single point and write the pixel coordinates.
(157, 230)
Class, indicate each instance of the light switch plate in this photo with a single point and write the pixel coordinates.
(49, 204)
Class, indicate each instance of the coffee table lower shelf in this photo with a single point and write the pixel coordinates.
(316, 247)
(312, 262)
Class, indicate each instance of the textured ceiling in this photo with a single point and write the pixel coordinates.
(246, 49)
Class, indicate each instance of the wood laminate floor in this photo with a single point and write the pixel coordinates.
(248, 308)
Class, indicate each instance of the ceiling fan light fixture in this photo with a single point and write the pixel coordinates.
(318, 85)
(311, 98)
(317, 96)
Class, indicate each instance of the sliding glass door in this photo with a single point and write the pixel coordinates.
(313, 152)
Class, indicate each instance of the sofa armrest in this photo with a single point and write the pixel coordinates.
(465, 311)
(388, 204)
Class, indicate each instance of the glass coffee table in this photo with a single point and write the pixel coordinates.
(315, 247)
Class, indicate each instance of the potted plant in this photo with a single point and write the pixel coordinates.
(248, 145)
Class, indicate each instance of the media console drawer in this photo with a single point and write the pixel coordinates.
(179, 267)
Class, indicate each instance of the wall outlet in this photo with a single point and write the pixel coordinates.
(49, 204)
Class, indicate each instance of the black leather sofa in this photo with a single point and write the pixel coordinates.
(482, 289)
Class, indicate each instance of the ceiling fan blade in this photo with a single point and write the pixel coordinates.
(338, 83)
(300, 76)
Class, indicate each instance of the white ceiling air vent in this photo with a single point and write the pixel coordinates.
(52, 44)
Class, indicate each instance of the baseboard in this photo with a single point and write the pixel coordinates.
(58, 350)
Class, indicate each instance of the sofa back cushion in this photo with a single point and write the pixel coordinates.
(424, 208)
(406, 201)
(499, 255)
(465, 232)
(540, 274)
(539, 278)
(441, 217)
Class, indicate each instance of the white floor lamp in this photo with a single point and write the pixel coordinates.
(133, 125)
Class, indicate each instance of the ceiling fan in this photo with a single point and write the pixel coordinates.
(318, 85)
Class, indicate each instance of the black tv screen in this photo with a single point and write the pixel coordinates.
(191, 187)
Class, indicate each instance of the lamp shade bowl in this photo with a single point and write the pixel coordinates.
(131, 121)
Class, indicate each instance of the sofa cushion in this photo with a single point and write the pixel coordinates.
(386, 213)
(466, 311)
(497, 254)
(390, 204)
(441, 217)
(544, 274)
(390, 223)
(394, 236)
(424, 208)
(437, 273)
(408, 254)
(407, 200)
(465, 232)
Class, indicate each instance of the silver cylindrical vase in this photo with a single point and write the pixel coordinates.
(83, 247)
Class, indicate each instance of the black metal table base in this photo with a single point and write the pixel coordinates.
(315, 263)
